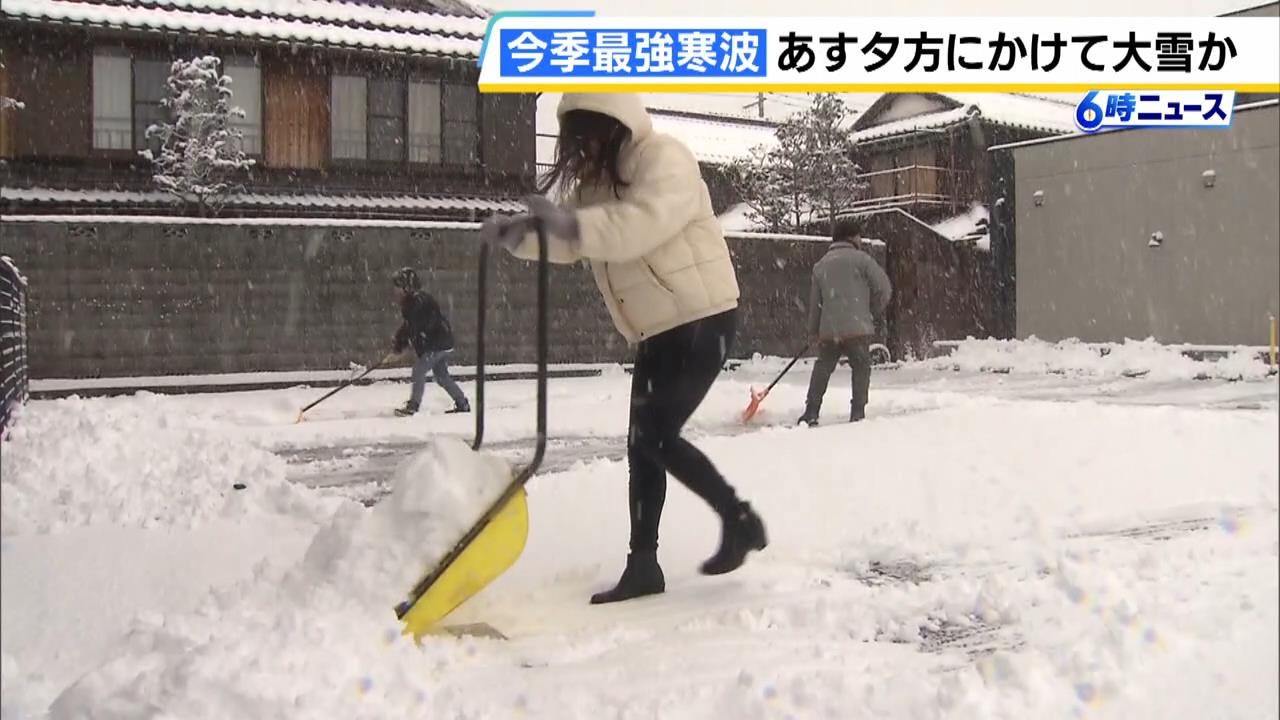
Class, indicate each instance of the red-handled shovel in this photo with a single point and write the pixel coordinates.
(758, 397)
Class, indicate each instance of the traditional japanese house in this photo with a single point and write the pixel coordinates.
(365, 109)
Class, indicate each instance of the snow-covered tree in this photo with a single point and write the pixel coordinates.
(200, 153)
(758, 180)
(808, 176)
(834, 183)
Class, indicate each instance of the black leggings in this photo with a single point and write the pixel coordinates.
(673, 372)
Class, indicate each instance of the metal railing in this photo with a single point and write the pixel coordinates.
(14, 381)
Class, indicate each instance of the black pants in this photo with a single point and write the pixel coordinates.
(673, 372)
(858, 350)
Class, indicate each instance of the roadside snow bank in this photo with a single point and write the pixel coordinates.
(1147, 359)
(320, 640)
(136, 462)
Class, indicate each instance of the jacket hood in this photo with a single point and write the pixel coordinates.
(626, 108)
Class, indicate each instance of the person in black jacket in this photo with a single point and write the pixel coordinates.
(426, 329)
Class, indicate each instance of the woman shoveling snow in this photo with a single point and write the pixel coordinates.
(639, 211)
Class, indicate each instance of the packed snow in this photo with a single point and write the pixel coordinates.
(1014, 545)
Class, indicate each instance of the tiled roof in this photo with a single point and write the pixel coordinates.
(1010, 109)
(312, 22)
(42, 195)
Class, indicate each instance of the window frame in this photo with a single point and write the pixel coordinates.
(477, 158)
(251, 59)
(229, 56)
(400, 86)
(403, 76)
(120, 51)
(438, 83)
(134, 58)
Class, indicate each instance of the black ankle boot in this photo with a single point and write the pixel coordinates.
(643, 576)
(742, 533)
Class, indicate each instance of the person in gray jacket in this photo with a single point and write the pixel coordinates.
(847, 297)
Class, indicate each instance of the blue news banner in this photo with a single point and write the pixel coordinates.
(720, 53)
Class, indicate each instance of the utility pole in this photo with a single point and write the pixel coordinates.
(758, 104)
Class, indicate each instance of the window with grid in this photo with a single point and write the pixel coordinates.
(150, 86)
(112, 114)
(246, 94)
(386, 119)
(425, 141)
(394, 119)
(461, 129)
(348, 114)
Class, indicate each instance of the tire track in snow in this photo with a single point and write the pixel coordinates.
(362, 470)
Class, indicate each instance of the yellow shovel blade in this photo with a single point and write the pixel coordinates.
(495, 549)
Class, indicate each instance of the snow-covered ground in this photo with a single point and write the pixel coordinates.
(1022, 544)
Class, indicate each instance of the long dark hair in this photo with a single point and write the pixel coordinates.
(576, 163)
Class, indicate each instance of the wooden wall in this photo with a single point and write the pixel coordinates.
(295, 113)
(52, 75)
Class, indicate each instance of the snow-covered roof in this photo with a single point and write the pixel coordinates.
(253, 199)
(716, 140)
(970, 223)
(314, 22)
(912, 124)
(738, 218)
(1010, 109)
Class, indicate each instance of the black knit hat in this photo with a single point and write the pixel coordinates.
(406, 279)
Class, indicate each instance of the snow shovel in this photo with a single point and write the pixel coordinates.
(496, 540)
(346, 384)
(758, 397)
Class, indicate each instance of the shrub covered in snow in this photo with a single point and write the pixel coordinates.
(199, 151)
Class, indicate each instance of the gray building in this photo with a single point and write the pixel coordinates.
(1271, 9)
(1162, 233)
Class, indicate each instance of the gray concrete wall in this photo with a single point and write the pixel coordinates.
(132, 299)
(1084, 268)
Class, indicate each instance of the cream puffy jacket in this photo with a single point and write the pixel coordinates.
(657, 252)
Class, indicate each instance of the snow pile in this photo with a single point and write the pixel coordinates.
(262, 661)
(437, 495)
(141, 462)
(971, 222)
(1131, 358)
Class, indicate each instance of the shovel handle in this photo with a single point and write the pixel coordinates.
(543, 311)
(347, 383)
(786, 369)
(521, 477)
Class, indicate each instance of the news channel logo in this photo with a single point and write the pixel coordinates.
(1112, 109)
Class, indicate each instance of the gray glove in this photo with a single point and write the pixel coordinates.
(557, 220)
(505, 231)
